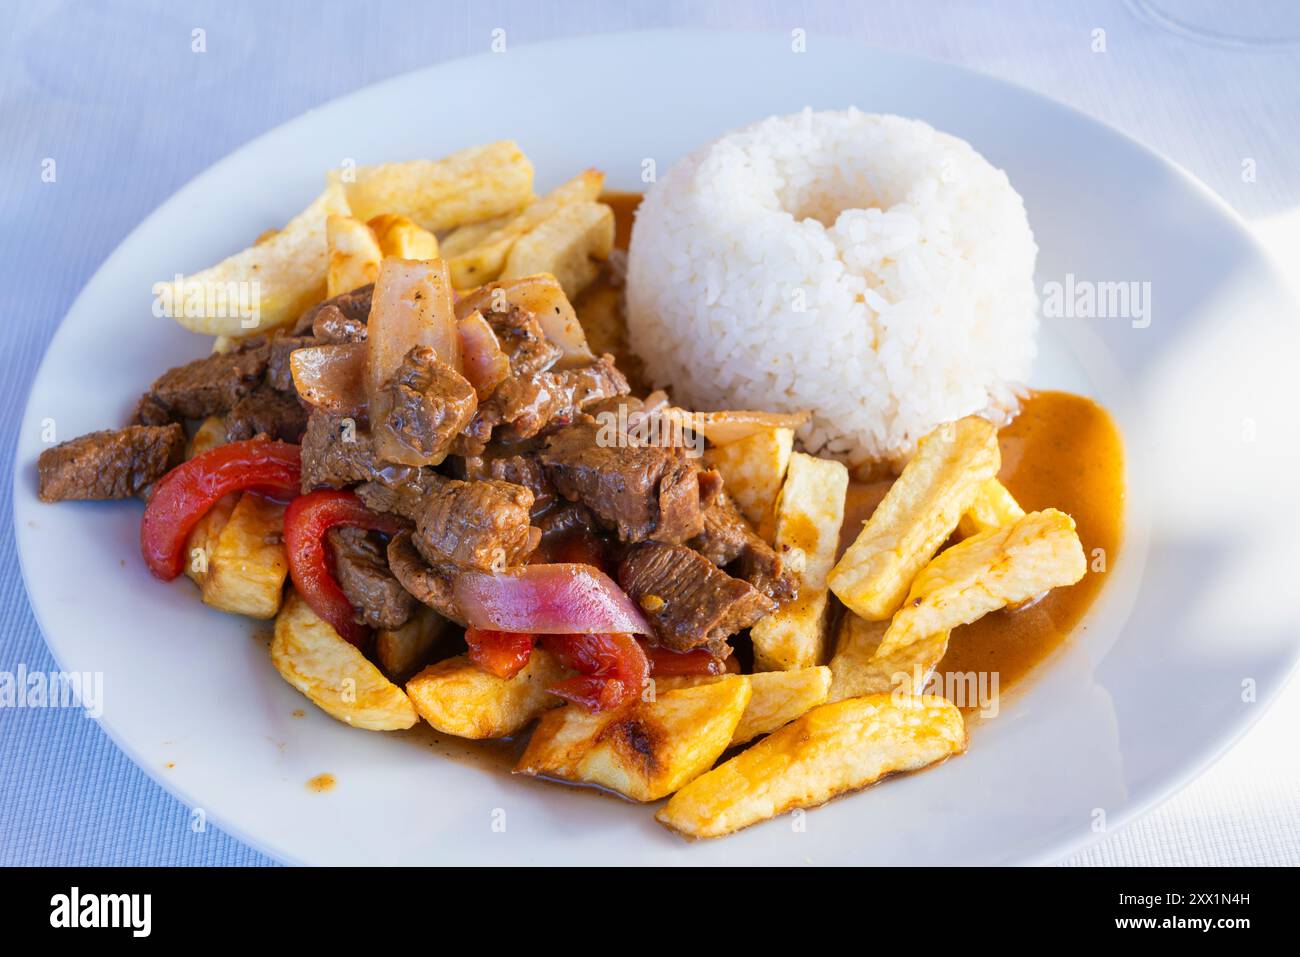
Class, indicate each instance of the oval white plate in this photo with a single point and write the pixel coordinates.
(1195, 631)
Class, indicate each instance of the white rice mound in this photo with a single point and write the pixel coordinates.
(865, 267)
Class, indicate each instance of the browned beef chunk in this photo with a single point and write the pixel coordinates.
(116, 463)
(338, 451)
(482, 525)
(523, 341)
(418, 413)
(728, 538)
(522, 470)
(429, 585)
(400, 492)
(278, 374)
(644, 492)
(529, 406)
(361, 569)
(208, 386)
(340, 319)
(565, 518)
(688, 601)
(277, 415)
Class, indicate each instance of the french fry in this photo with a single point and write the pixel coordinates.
(570, 245)
(402, 650)
(916, 516)
(456, 697)
(399, 236)
(808, 516)
(465, 187)
(354, 255)
(248, 564)
(202, 540)
(484, 261)
(643, 750)
(276, 279)
(986, 572)
(210, 433)
(311, 656)
(832, 749)
(777, 697)
(464, 238)
(752, 470)
(857, 670)
(993, 507)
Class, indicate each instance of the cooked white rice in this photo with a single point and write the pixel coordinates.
(866, 267)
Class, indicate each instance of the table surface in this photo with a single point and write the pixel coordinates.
(116, 97)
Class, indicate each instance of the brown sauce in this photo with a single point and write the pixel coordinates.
(1062, 451)
(624, 205)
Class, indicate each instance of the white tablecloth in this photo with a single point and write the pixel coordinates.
(114, 94)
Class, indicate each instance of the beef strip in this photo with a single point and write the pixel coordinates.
(418, 412)
(642, 491)
(338, 451)
(523, 341)
(264, 411)
(518, 469)
(340, 319)
(115, 463)
(689, 602)
(429, 585)
(403, 494)
(530, 406)
(208, 386)
(279, 376)
(361, 569)
(482, 525)
(728, 538)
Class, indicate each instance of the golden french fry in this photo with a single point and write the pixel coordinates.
(916, 516)
(777, 698)
(401, 650)
(465, 187)
(752, 470)
(263, 287)
(643, 750)
(832, 749)
(808, 516)
(484, 261)
(993, 507)
(311, 656)
(464, 238)
(210, 433)
(248, 564)
(857, 670)
(399, 236)
(354, 255)
(458, 698)
(986, 572)
(570, 245)
(202, 540)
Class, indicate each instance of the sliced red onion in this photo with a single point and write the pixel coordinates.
(548, 600)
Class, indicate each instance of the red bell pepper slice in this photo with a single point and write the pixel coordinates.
(306, 521)
(500, 653)
(665, 663)
(186, 493)
(612, 668)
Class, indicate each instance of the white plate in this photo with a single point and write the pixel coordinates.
(1200, 604)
